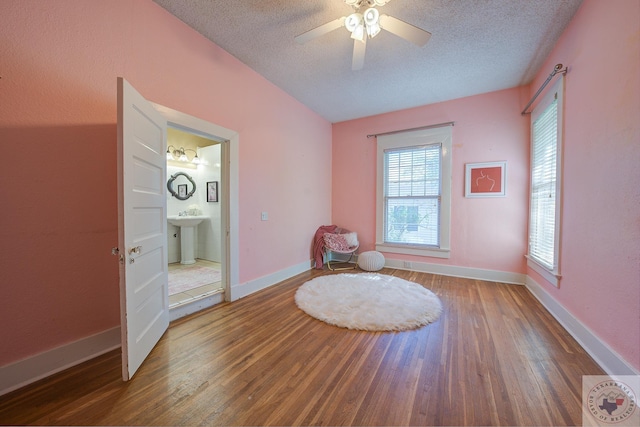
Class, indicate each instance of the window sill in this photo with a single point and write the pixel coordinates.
(550, 276)
(413, 250)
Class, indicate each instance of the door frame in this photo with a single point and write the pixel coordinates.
(230, 141)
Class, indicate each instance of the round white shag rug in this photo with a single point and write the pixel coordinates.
(369, 302)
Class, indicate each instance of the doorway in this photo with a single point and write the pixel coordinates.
(194, 165)
(225, 219)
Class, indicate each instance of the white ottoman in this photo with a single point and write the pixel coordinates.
(371, 261)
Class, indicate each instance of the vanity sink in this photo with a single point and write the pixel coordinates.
(185, 221)
(187, 226)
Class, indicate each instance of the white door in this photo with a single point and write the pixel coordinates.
(142, 226)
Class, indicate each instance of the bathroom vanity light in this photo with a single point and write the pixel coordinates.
(180, 154)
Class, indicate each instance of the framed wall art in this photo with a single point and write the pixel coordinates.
(485, 179)
(182, 191)
(212, 191)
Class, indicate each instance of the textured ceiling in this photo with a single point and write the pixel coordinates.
(477, 46)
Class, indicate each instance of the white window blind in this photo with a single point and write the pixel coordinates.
(544, 212)
(413, 192)
(412, 195)
(543, 187)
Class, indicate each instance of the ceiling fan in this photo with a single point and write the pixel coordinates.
(367, 25)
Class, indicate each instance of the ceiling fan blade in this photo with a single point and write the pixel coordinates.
(406, 31)
(359, 48)
(321, 30)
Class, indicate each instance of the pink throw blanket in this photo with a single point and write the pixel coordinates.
(318, 244)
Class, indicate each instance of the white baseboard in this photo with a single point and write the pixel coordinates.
(34, 368)
(455, 271)
(247, 288)
(610, 361)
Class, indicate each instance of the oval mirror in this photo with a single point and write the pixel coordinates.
(178, 186)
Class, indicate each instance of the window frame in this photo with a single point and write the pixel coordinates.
(417, 138)
(552, 275)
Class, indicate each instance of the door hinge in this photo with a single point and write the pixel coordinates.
(116, 252)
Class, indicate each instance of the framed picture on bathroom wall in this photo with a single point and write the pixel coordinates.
(212, 191)
(485, 179)
(182, 190)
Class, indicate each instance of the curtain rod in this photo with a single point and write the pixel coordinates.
(557, 69)
(407, 130)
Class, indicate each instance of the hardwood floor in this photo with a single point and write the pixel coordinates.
(495, 357)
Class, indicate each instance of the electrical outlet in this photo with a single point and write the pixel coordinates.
(408, 264)
(265, 216)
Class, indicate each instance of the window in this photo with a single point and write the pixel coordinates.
(544, 214)
(413, 192)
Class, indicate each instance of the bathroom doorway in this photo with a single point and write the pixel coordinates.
(222, 222)
(194, 174)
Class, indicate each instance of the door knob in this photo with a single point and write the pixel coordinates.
(135, 250)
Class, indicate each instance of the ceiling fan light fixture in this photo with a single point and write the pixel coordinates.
(373, 30)
(362, 26)
(372, 21)
(353, 21)
(359, 33)
(371, 16)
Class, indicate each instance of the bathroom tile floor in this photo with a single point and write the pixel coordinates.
(195, 293)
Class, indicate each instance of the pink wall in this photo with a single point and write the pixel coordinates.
(486, 233)
(600, 257)
(59, 63)
(59, 66)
